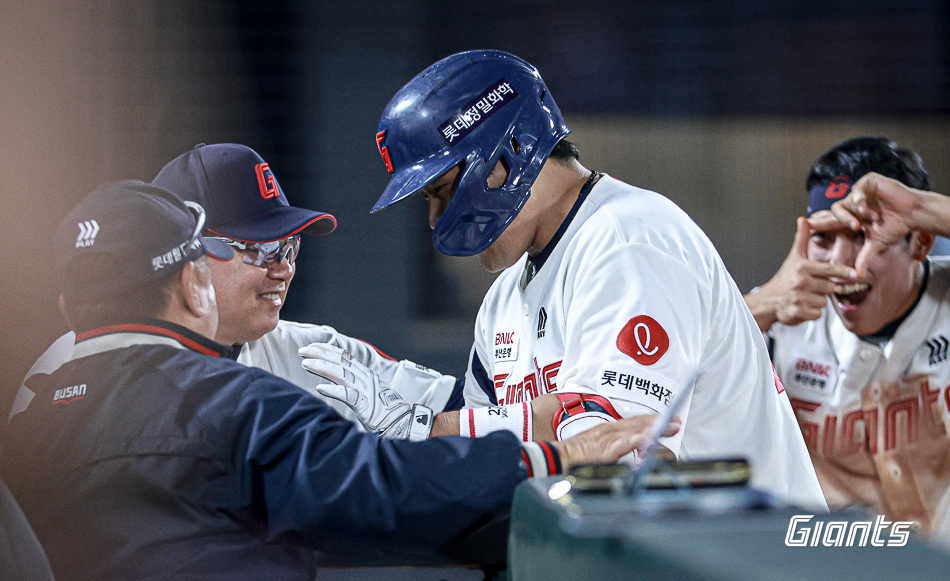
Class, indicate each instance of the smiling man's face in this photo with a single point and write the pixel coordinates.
(249, 297)
(889, 289)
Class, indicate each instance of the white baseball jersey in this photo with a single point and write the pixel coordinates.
(631, 304)
(276, 352)
(876, 418)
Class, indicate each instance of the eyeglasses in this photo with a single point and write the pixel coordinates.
(266, 254)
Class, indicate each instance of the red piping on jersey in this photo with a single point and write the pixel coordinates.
(378, 351)
(137, 328)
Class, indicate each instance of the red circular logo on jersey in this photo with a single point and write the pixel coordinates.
(643, 339)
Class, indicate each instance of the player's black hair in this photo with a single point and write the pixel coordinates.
(565, 151)
(861, 155)
(86, 310)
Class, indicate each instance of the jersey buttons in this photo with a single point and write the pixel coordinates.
(525, 310)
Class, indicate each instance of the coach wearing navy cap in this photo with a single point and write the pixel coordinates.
(152, 455)
(241, 193)
(122, 248)
(249, 211)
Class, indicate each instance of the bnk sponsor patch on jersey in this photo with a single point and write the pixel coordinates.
(506, 346)
(814, 375)
(643, 339)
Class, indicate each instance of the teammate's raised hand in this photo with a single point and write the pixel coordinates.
(798, 291)
(606, 443)
(886, 210)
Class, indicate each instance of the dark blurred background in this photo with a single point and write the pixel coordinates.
(721, 106)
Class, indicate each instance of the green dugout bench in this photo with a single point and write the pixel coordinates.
(588, 528)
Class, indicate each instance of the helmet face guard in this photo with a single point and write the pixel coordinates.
(474, 108)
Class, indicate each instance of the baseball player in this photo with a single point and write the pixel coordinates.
(248, 209)
(151, 454)
(868, 373)
(610, 302)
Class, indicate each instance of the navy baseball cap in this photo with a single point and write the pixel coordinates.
(239, 191)
(823, 194)
(147, 232)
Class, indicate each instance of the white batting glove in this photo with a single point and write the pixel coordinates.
(414, 382)
(359, 351)
(378, 408)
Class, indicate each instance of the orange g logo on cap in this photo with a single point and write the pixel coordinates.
(266, 181)
(643, 339)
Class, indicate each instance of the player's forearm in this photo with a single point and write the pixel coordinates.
(540, 428)
(445, 424)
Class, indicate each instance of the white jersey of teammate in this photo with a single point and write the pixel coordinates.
(876, 418)
(632, 302)
(276, 352)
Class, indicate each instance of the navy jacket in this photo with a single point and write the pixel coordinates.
(152, 456)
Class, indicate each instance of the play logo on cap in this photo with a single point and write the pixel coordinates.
(140, 231)
(241, 194)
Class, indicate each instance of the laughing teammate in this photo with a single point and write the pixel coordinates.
(866, 364)
(611, 300)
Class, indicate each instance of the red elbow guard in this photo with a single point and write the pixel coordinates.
(573, 404)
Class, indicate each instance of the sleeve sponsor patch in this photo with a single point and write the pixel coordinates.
(642, 386)
(643, 339)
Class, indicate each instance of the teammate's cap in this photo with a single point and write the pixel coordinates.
(239, 191)
(147, 233)
(823, 194)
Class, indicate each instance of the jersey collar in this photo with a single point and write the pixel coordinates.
(535, 263)
(146, 332)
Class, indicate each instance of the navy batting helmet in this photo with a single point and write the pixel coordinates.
(474, 107)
